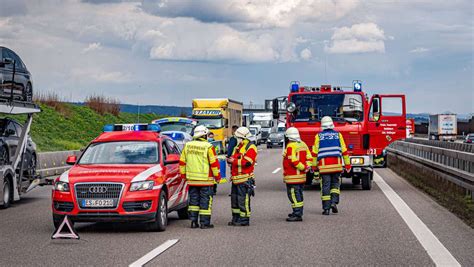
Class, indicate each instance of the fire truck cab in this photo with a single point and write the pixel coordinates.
(367, 125)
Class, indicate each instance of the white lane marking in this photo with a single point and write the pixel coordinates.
(276, 170)
(435, 249)
(154, 253)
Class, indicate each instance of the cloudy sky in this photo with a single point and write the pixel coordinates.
(168, 52)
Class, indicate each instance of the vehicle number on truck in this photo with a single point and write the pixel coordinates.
(97, 203)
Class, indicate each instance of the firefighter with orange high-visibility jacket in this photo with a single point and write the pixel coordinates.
(199, 165)
(329, 151)
(242, 163)
(297, 160)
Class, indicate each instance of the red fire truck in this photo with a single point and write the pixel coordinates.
(368, 125)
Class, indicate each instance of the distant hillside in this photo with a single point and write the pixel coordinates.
(153, 109)
(164, 110)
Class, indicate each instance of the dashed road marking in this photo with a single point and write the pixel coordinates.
(276, 170)
(435, 249)
(154, 253)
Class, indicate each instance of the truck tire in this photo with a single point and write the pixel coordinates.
(367, 181)
(183, 213)
(7, 193)
(161, 220)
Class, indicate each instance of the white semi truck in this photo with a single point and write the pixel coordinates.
(266, 121)
(443, 127)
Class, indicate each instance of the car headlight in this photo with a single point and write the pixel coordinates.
(61, 186)
(269, 141)
(357, 161)
(140, 186)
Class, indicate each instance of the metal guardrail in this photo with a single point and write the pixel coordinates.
(443, 144)
(455, 166)
(54, 163)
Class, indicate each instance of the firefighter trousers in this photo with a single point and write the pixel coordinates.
(330, 189)
(240, 202)
(295, 195)
(200, 204)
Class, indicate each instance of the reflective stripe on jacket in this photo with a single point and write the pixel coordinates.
(199, 164)
(244, 156)
(329, 149)
(296, 159)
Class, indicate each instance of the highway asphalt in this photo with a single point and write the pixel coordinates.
(368, 231)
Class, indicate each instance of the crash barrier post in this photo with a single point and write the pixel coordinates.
(54, 163)
(70, 234)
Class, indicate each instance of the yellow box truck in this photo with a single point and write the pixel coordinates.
(219, 115)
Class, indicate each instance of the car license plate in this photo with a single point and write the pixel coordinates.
(276, 143)
(97, 203)
(356, 169)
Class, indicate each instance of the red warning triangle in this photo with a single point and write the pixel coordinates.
(70, 233)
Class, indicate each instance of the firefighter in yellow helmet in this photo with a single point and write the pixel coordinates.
(242, 163)
(199, 165)
(330, 151)
(297, 162)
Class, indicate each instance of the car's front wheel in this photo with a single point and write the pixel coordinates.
(161, 220)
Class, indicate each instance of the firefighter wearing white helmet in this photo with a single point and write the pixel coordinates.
(297, 160)
(199, 166)
(242, 163)
(329, 152)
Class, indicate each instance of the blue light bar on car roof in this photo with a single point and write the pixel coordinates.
(131, 127)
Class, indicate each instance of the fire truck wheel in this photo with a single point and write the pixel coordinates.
(7, 193)
(183, 213)
(355, 180)
(367, 181)
(161, 214)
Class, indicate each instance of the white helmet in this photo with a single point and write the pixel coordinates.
(326, 123)
(200, 131)
(293, 134)
(243, 133)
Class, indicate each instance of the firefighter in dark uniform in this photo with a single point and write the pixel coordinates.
(199, 165)
(297, 160)
(242, 163)
(329, 152)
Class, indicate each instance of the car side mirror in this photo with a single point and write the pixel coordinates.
(71, 160)
(172, 159)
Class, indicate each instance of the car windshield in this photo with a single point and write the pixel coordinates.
(177, 126)
(281, 129)
(253, 131)
(340, 107)
(264, 124)
(211, 123)
(130, 152)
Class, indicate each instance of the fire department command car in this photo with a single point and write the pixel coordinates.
(128, 173)
(368, 127)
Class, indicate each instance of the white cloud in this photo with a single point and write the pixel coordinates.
(92, 47)
(359, 38)
(306, 54)
(253, 14)
(97, 74)
(419, 50)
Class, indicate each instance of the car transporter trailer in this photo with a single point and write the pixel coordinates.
(12, 182)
